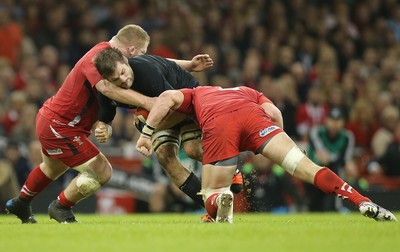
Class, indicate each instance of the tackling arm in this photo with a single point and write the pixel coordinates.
(126, 96)
(171, 99)
(168, 100)
(199, 63)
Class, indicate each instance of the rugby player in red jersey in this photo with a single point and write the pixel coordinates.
(64, 123)
(250, 128)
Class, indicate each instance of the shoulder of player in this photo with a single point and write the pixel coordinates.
(89, 56)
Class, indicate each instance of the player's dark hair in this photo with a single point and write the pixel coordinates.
(106, 61)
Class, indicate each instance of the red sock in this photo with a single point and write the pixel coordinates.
(211, 205)
(329, 182)
(64, 201)
(36, 182)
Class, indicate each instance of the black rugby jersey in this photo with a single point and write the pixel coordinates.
(152, 76)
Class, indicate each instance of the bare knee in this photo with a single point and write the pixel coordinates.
(100, 169)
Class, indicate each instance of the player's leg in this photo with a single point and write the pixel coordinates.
(38, 179)
(93, 174)
(217, 196)
(282, 150)
(192, 145)
(166, 146)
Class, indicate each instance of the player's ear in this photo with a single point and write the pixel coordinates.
(131, 51)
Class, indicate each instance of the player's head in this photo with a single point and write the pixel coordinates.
(114, 67)
(131, 40)
(335, 121)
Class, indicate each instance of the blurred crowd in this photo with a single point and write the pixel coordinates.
(308, 57)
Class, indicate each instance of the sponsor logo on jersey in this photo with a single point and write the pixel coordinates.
(268, 130)
(55, 152)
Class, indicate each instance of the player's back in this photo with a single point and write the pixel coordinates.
(75, 104)
(214, 101)
(153, 75)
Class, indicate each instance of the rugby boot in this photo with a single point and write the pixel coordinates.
(225, 207)
(61, 214)
(237, 182)
(378, 213)
(22, 209)
(206, 218)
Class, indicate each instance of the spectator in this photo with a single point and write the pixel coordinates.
(10, 47)
(332, 146)
(384, 135)
(363, 125)
(311, 113)
(388, 164)
(18, 162)
(8, 183)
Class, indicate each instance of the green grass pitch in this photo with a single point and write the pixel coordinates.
(183, 232)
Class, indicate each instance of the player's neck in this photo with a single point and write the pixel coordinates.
(115, 42)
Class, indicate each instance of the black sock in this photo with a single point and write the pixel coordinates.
(191, 187)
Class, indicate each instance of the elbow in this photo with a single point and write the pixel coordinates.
(104, 89)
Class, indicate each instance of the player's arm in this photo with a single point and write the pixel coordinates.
(199, 63)
(126, 96)
(274, 113)
(168, 100)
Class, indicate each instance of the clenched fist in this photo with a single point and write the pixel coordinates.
(103, 132)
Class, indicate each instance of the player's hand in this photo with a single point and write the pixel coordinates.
(143, 145)
(201, 62)
(103, 132)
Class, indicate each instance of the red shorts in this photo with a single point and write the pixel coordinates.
(68, 144)
(227, 135)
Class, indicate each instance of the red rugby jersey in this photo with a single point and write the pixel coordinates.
(208, 101)
(75, 104)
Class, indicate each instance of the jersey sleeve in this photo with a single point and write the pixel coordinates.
(258, 96)
(187, 104)
(262, 99)
(91, 73)
(107, 110)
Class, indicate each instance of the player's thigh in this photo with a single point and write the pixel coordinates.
(191, 139)
(277, 147)
(193, 149)
(52, 167)
(282, 150)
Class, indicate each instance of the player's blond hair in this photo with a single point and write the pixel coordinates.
(132, 35)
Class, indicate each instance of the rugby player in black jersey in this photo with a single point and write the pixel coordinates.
(150, 75)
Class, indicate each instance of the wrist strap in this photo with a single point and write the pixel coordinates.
(109, 130)
(148, 130)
